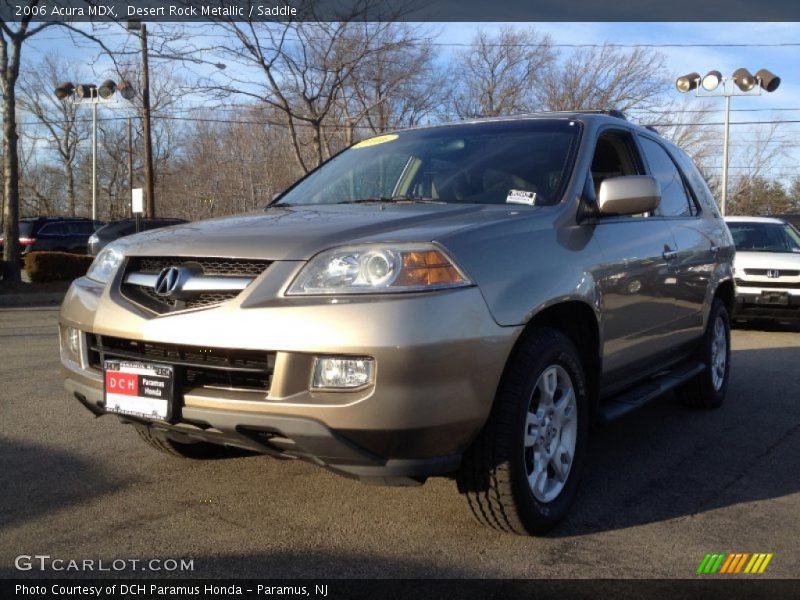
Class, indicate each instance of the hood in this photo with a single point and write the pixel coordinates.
(767, 260)
(299, 232)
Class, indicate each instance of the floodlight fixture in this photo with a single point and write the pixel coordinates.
(687, 83)
(744, 79)
(768, 81)
(712, 80)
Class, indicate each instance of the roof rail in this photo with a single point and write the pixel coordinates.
(611, 112)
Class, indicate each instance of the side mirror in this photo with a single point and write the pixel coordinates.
(629, 195)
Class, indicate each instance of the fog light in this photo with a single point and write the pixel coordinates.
(342, 373)
(72, 342)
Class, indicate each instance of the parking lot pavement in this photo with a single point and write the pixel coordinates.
(665, 486)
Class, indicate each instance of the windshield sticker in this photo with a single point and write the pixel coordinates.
(521, 197)
(381, 139)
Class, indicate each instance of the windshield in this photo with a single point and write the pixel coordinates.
(765, 237)
(523, 162)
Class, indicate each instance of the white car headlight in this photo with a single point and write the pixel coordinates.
(106, 263)
(378, 268)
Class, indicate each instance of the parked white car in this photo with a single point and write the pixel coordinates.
(766, 268)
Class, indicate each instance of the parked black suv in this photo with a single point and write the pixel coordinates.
(122, 227)
(64, 234)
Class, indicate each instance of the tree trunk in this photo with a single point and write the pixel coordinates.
(11, 255)
(70, 187)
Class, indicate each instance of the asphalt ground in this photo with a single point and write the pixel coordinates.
(664, 486)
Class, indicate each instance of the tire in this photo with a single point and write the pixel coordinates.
(516, 442)
(195, 450)
(708, 389)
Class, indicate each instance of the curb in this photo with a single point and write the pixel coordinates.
(35, 299)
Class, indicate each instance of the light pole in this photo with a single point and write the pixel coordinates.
(90, 93)
(715, 85)
(149, 183)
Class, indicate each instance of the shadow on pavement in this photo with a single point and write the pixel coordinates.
(37, 480)
(668, 461)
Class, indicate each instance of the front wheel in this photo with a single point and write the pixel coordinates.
(708, 389)
(522, 472)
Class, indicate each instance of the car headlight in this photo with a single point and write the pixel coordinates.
(378, 268)
(106, 263)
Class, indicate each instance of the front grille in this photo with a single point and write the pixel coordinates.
(781, 285)
(764, 272)
(213, 267)
(231, 267)
(195, 366)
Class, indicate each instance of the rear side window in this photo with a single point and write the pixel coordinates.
(675, 200)
(81, 227)
(54, 229)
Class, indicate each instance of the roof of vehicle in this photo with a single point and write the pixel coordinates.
(772, 220)
(601, 115)
(42, 218)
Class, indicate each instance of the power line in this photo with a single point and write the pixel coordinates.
(532, 44)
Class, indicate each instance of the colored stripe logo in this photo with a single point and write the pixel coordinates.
(733, 563)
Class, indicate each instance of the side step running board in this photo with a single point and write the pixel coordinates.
(614, 408)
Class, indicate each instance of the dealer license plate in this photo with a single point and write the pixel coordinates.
(778, 298)
(139, 389)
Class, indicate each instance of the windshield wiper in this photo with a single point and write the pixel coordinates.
(393, 199)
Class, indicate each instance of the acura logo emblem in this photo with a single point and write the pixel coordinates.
(168, 281)
(773, 274)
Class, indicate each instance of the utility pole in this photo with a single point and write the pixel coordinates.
(149, 188)
(349, 130)
(130, 162)
(725, 159)
(95, 99)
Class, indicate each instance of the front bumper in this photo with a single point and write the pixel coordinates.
(438, 357)
(757, 300)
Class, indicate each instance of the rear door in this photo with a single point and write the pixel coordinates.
(635, 276)
(52, 236)
(696, 252)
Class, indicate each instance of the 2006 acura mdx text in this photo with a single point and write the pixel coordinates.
(460, 300)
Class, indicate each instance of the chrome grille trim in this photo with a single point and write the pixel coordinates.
(197, 283)
(205, 282)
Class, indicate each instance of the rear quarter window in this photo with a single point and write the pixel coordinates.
(696, 181)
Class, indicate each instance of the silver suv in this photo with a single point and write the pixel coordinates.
(460, 300)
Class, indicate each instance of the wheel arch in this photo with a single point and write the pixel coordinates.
(727, 293)
(578, 321)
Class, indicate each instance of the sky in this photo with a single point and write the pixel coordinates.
(687, 47)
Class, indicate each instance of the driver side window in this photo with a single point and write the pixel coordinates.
(615, 155)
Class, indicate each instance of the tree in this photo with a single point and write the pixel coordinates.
(11, 44)
(498, 75)
(64, 131)
(604, 77)
(759, 196)
(397, 85)
(301, 69)
(794, 191)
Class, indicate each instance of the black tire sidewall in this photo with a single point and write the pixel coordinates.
(717, 396)
(538, 516)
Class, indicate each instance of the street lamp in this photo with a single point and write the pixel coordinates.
(741, 83)
(90, 93)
